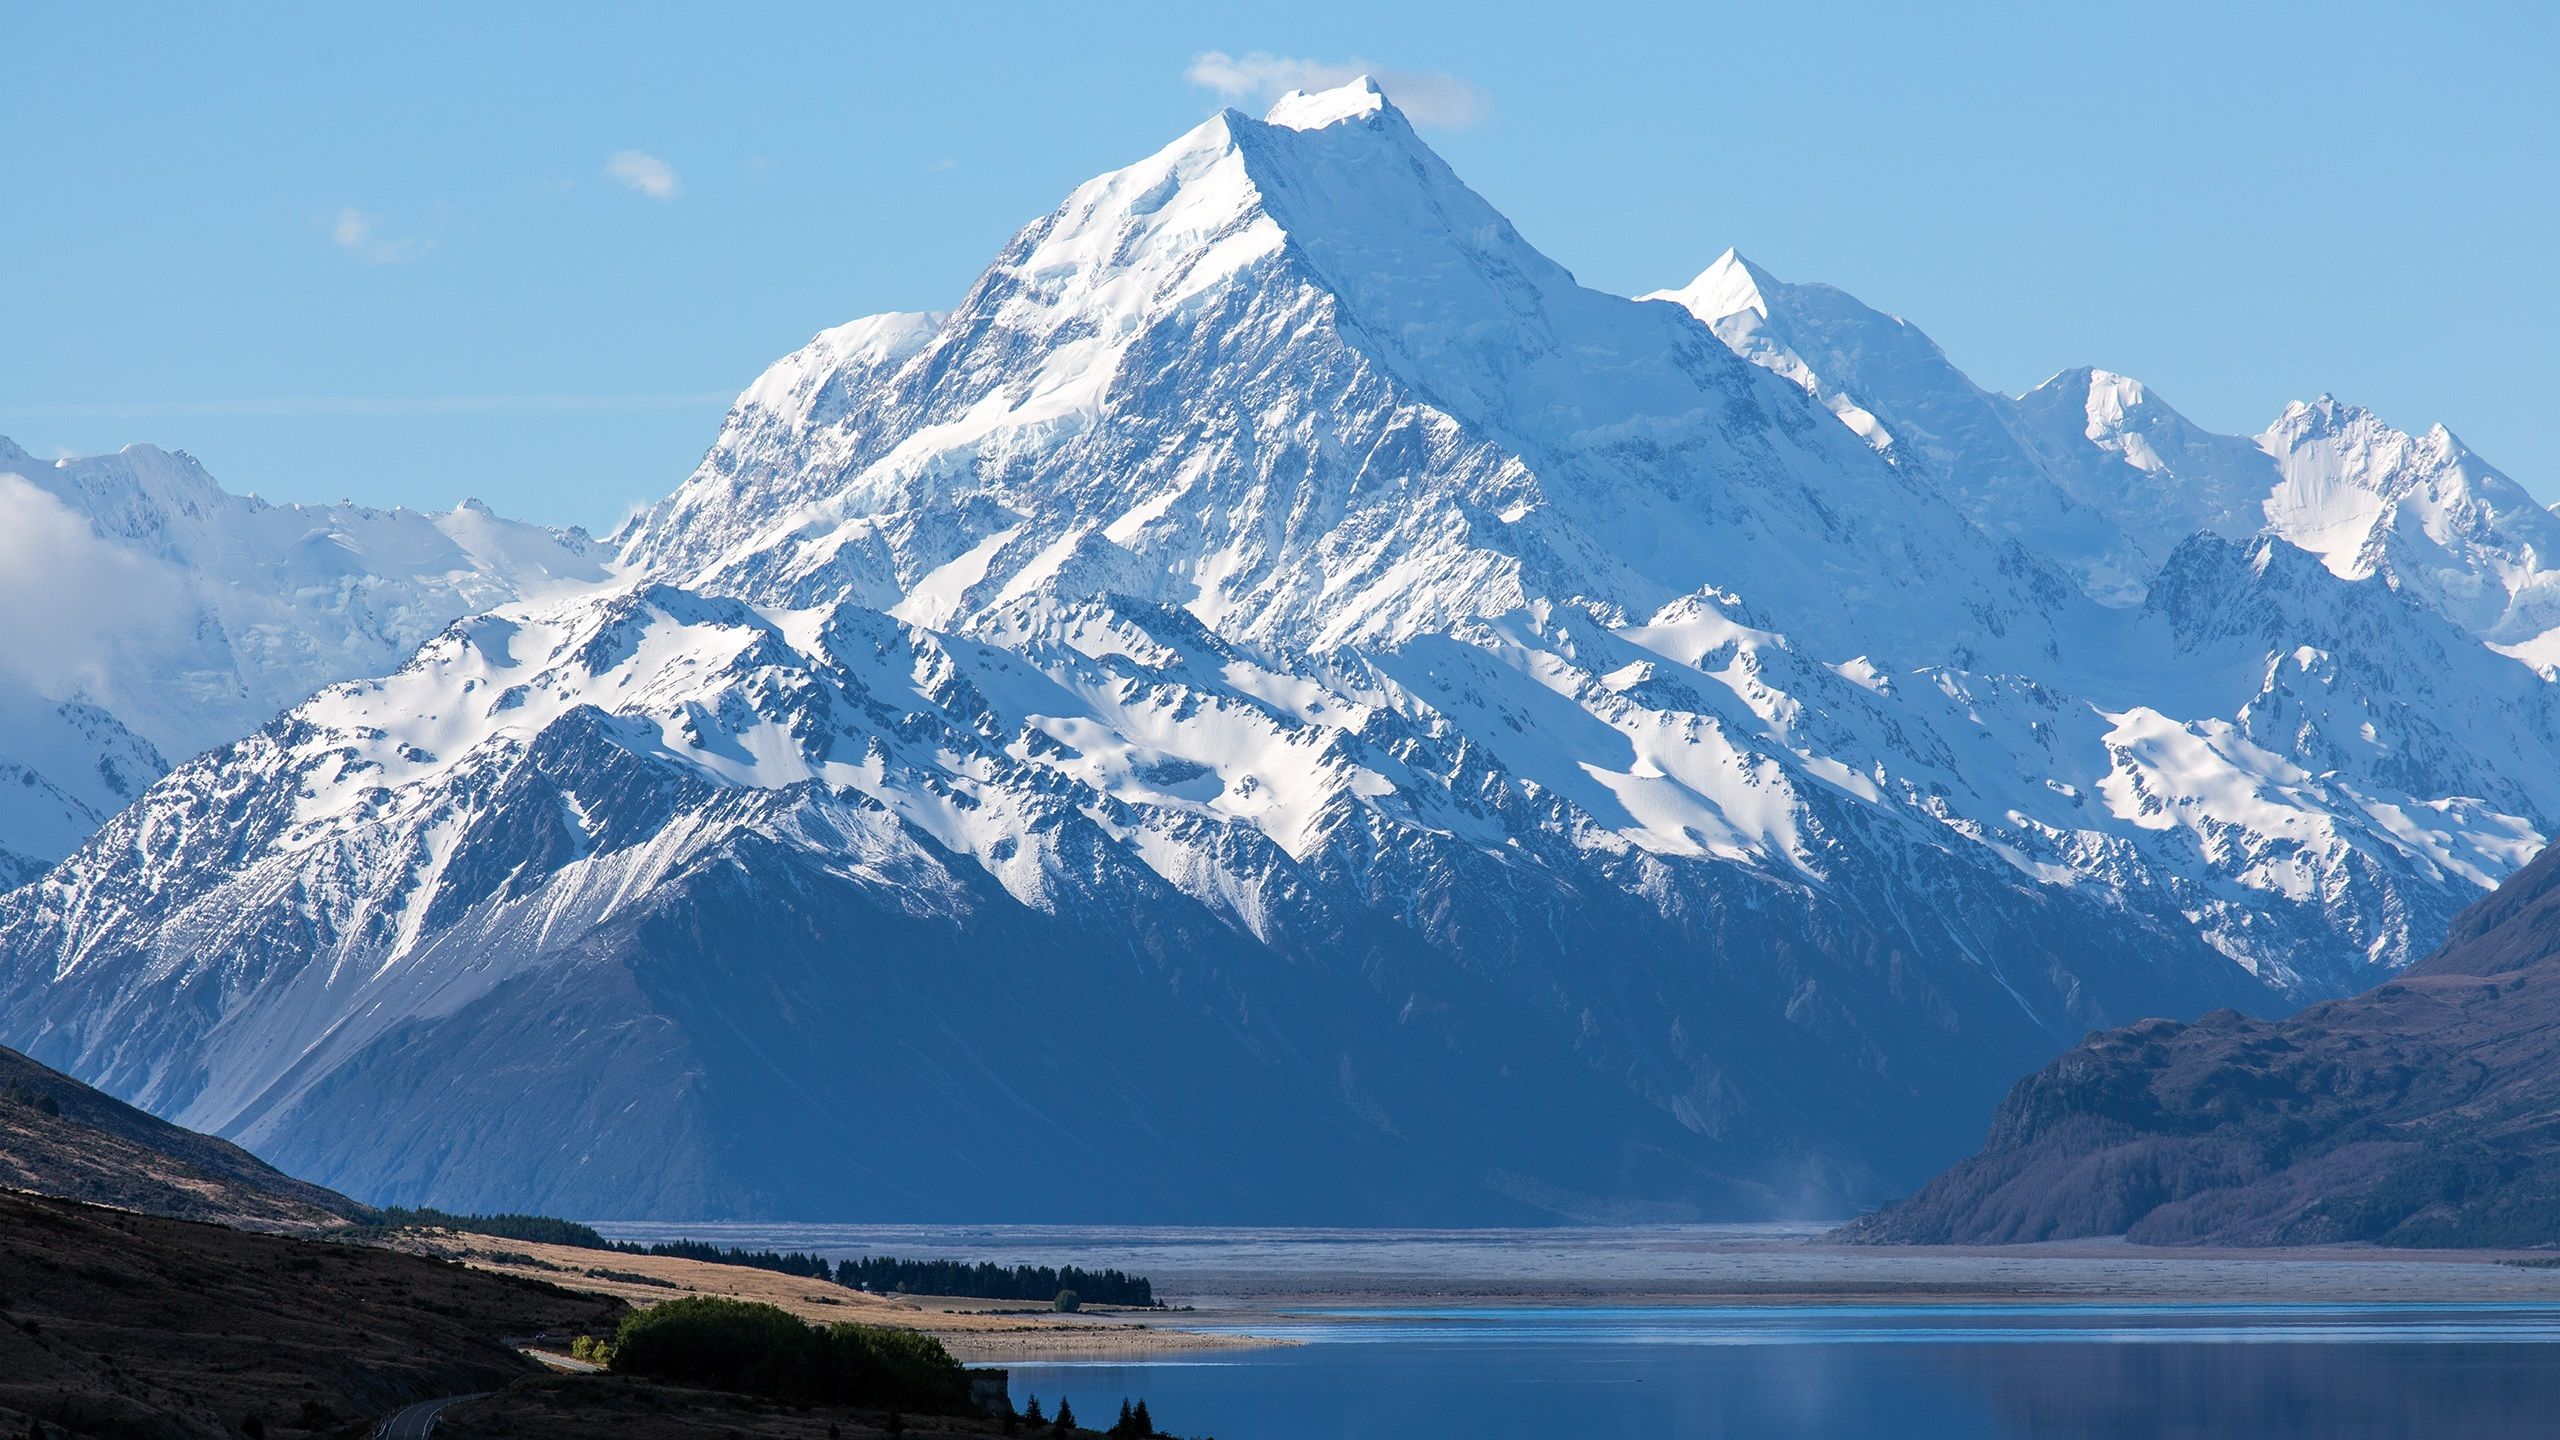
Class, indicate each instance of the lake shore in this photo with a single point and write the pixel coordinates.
(1761, 1272)
(1240, 1281)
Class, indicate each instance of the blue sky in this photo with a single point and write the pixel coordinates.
(405, 254)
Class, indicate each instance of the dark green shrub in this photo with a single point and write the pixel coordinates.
(761, 1350)
(726, 1344)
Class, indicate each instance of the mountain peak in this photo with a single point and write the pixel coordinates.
(2329, 418)
(2323, 412)
(2106, 397)
(1729, 286)
(1355, 99)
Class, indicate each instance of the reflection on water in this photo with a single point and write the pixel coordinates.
(1816, 1373)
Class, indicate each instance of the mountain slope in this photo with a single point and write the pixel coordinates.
(2419, 1113)
(1279, 705)
(775, 865)
(179, 616)
(60, 1137)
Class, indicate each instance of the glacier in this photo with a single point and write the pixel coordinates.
(1282, 705)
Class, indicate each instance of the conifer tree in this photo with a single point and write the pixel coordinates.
(1031, 1412)
(1141, 1423)
(1121, 1425)
(1066, 1415)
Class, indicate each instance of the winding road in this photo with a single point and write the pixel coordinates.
(418, 1421)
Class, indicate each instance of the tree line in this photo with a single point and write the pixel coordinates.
(989, 1281)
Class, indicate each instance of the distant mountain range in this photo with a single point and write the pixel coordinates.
(158, 616)
(2094, 472)
(1282, 705)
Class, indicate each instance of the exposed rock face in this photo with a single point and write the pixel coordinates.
(2423, 1112)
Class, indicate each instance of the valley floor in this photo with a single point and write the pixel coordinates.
(977, 1332)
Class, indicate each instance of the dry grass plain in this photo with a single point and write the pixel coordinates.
(972, 1330)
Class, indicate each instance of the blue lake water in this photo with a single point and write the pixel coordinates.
(1908, 1372)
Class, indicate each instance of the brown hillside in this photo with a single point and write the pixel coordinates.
(60, 1137)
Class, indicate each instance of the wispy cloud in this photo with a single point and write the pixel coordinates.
(361, 233)
(374, 405)
(95, 595)
(1427, 97)
(644, 174)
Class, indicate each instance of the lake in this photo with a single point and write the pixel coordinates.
(1853, 1373)
(1598, 1333)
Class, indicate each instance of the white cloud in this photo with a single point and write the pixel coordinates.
(360, 233)
(644, 174)
(1427, 97)
(94, 596)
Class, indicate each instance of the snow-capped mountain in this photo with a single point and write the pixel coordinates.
(176, 616)
(2095, 471)
(2425, 514)
(1282, 705)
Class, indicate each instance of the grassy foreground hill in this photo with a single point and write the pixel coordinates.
(118, 1324)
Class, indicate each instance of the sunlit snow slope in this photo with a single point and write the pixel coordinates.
(1282, 705)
